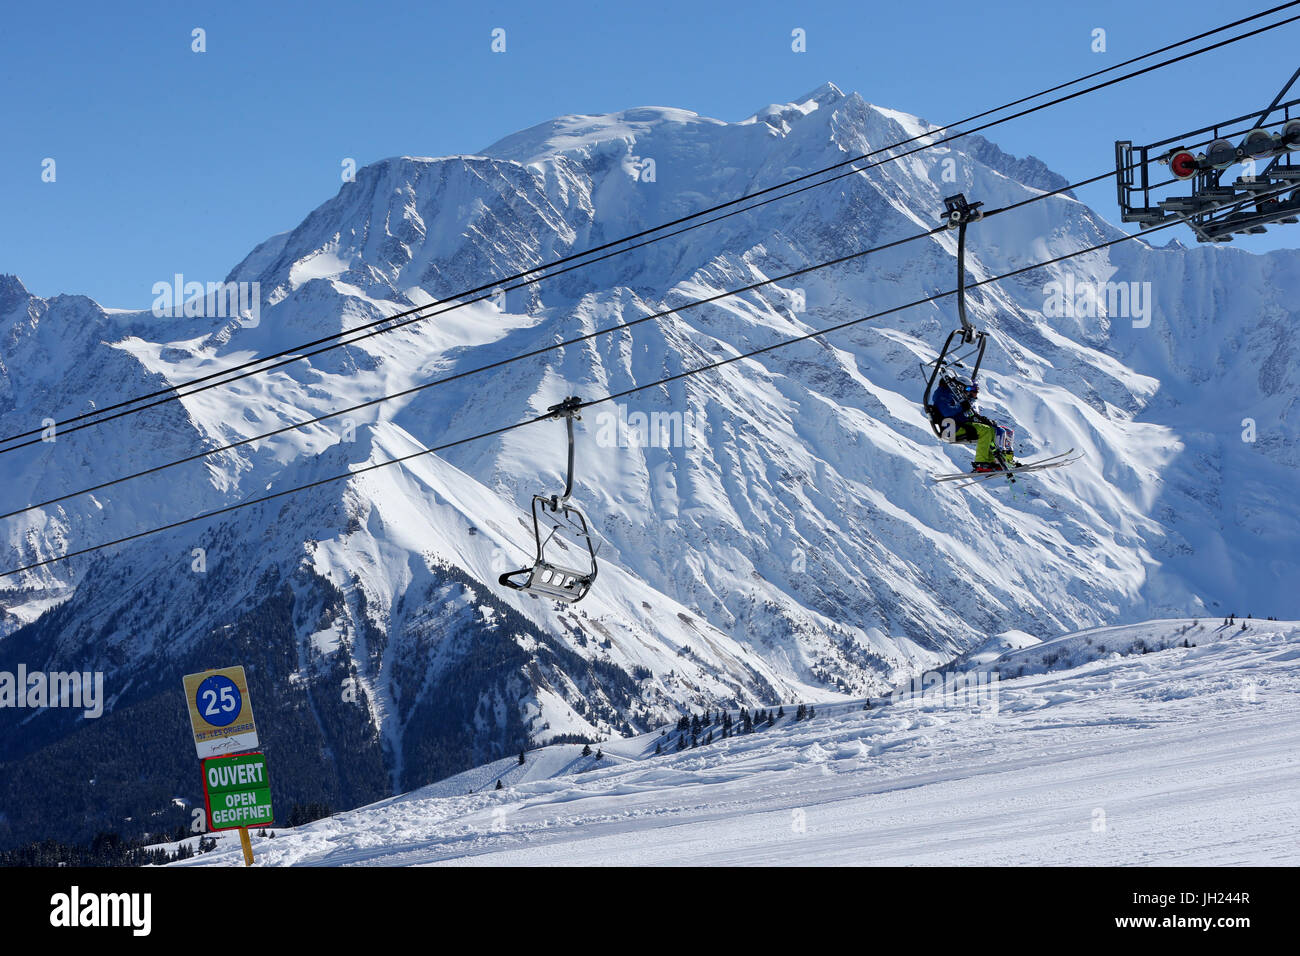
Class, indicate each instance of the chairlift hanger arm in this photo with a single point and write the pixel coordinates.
(959, 214)
(568, 409)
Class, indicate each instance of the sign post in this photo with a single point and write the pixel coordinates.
(236, 789)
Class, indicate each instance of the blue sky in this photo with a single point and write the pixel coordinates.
(174, 161)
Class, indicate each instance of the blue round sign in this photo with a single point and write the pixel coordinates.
(218, 700)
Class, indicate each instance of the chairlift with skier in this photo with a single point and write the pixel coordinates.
(952, 386)
(952, 379)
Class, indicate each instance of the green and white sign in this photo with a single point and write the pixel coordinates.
(238, 791)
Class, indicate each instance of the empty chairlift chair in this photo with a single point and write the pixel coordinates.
(544, 577)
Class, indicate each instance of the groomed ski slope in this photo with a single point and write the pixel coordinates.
(1098, 754)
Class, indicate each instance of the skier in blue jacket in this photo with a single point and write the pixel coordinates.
(954, 413)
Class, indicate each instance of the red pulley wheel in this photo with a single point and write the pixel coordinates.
(1183, 164)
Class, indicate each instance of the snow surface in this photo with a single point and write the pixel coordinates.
(1181, 755)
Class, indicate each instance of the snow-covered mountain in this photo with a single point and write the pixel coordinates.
(1115, 746)
(789, 545)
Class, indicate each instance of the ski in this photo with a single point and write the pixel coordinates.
(1011, 473)
(1027, 465)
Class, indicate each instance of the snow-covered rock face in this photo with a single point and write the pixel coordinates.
(788, 538)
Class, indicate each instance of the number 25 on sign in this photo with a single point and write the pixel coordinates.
(221, 712)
